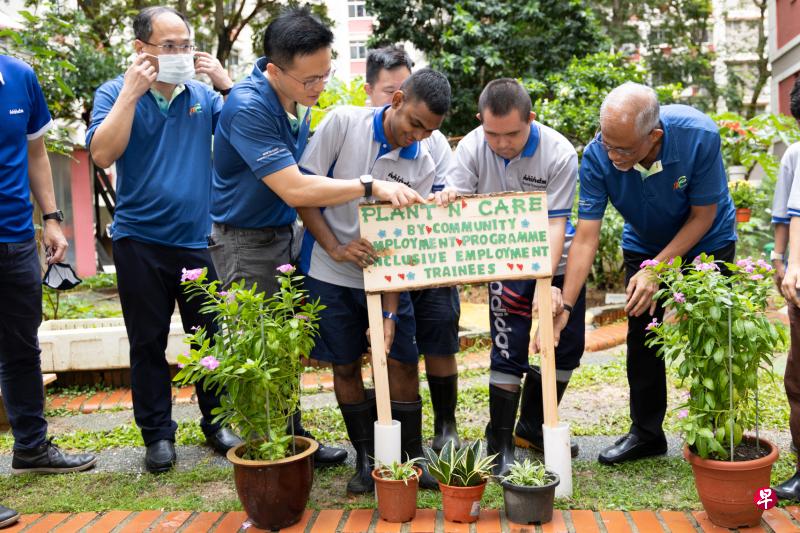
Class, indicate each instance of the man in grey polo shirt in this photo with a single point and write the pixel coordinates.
(383, 142)
(510, 151)
(437, 310)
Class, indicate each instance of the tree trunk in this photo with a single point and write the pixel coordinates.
(762, 63)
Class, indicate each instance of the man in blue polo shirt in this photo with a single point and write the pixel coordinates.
(262, 133)
(25, 169)
(156, 123)
(661, 167)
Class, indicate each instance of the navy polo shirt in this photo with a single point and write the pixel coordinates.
(164, 174)
(254, 139)
(656, 207)
(24, 118)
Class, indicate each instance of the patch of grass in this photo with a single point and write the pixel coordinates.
(610, 373)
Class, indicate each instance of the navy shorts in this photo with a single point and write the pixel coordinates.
(436, 312)
(510, 304)
(343, 325)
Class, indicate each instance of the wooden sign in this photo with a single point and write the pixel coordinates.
(476, 239)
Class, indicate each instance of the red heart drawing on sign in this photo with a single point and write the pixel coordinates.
(428, 229)
(459, 241)
(510, 266)
(463, 203)
(388, 278)
(519, 266)
(401, 276)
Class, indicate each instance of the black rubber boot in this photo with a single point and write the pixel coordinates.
(444, 395)
(500, 429)
(359, 418)
(789, 489)
(409, 414)
(528, 433)
(325, 455)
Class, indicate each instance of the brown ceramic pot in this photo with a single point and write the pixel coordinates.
(462, 504)
(726, 488)
(743, 214)
(397, 500)
(274, 494)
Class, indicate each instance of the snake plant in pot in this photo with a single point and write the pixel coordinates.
(462, 475)
(396, 487)
(718, 339)
(252, 359)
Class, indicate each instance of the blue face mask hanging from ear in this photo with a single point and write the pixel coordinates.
(60, 277)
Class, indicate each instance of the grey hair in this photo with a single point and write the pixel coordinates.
(143, 21)
(633, 99)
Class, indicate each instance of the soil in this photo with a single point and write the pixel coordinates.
(747, 451)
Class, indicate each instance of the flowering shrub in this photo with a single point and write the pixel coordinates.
(252, 357)
(711, 309)
(743, 194)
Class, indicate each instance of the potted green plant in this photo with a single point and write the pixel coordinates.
(396, 487)
(253, 360)
(744, 198)
(462, 475)
(718, 339)
(528, 492)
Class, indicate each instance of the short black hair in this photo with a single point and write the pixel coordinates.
(430, 87)
(387, 58)
(794, 98)
(295, 32)
(503, 95)
(143, 21)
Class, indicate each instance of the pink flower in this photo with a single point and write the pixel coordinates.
(181, 365)
(679, 298)
(671, 261)
(210, 362)
(749, 269)
(653, 324)
(191, 275)
(648, 263)
(301, 317)
(195, 328)
(683, 413)
(742, 263)
(223, 293)
(763, 264)
(706, 266)
(285, 269)
(756, 277)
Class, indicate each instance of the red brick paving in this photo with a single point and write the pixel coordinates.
(615, 521)
(584, 521)
(108, 521)
(424, 522)
(48, 522)
(202, 522)
(75, 523)
(779, 521)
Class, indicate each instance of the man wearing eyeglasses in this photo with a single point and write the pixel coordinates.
(661, 167)
(263, 131)
(156, 123)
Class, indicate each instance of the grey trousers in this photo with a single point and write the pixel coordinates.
(253, 254)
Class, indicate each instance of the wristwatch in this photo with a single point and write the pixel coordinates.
(775, 256)
(366, 180)
(223, 92)
(391, 316)
(55, 215)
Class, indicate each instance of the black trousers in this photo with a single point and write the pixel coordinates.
(646, 371)
(20, 362)
(149, 281)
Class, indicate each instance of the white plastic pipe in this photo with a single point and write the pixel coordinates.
(557, 457)
(387, 443)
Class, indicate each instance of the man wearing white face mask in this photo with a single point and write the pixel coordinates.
(156, 123)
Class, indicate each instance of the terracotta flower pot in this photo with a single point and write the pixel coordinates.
(274, 494)
(743, 214)
(462, 504)
(726, 488)
(397, 500)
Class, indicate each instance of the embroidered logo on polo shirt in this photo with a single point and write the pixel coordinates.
(679, 184)
(533, 183)
(17, 111)
(395, 177)
(196, 109)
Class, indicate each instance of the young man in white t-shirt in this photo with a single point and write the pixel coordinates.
(385, 143)
(510, 151)
(436, 311)
(786, 217)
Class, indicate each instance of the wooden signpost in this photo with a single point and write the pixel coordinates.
(477, 239)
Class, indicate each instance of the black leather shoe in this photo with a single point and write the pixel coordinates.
(325, 455)
(48, 459)
(223, 440)
(631, 447)
(789, 489)
(160, 456)
(8, 516)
